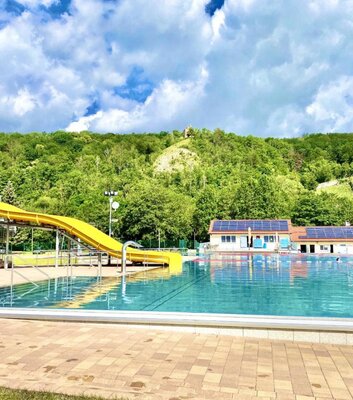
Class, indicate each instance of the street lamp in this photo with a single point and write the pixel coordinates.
(113, 205)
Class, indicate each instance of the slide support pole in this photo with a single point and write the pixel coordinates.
(57, 247)
(7, 246)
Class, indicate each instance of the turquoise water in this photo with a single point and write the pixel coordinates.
(291, 285)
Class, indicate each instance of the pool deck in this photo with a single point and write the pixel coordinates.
(295, 329)
(138, 363)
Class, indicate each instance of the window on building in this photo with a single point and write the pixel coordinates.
(269, 239)
(228, 239)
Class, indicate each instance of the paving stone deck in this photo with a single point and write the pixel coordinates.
(137, 363)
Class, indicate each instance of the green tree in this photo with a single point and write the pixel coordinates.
(8, 194)
(207, 208)
(149, 209)
(322, 209)
(257, 197)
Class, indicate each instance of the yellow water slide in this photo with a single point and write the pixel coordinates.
(90, 235)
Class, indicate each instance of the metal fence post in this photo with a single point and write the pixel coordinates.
(7, 246)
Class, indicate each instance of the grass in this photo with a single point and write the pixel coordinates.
(46, 259)
(11, 394)
(342, 189)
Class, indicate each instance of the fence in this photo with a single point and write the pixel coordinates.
(182, 244)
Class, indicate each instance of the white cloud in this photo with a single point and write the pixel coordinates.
(267, 68)
(217, 23)
(160, 111)
(37, 3)
(84, 123)
(23, 102)
(319, 6)
(333, 105)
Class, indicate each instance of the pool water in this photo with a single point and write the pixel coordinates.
(271, 284)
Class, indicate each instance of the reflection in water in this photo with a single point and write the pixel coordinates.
(107, 285)
(258, 265)
(298, 270)
(261, 284)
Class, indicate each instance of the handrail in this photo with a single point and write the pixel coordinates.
(22, 276)
(33, 266)
(123, 258)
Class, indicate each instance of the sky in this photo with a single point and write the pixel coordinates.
(277, 68)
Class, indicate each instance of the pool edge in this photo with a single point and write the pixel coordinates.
(296, 329)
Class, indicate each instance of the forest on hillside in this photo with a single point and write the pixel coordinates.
(173, 186)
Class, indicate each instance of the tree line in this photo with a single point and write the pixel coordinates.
(234, 177)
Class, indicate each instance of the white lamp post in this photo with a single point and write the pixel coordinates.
(113, 205)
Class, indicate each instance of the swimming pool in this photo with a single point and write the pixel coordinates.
(260, 284)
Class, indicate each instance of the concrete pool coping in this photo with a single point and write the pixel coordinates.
(296, 329)
(316, 330)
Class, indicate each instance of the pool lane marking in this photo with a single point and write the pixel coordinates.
(97, 289)
(91, 293)
(169, 295)
(21, 292)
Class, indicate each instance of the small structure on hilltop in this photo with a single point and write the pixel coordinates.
(188, 132)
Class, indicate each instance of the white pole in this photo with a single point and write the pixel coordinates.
(110, 215)
(123, 260)
(123, 254)
(11, 285)
(57, 248)
(123, 285)
(56, 285)
(110, 223)
(100, 265)
(7, 246)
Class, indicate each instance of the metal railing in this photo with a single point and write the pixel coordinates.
(130, 243)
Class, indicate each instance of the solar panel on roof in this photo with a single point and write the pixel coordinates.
(338, 232)
(254, 225)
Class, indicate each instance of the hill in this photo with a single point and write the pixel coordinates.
(176, 158)
(175, 186)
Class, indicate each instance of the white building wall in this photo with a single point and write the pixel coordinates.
(218, 245)
(343, 248)
(325, 247)
(215, 241)
(319, 248)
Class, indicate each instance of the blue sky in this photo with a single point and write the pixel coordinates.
(279, 68)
